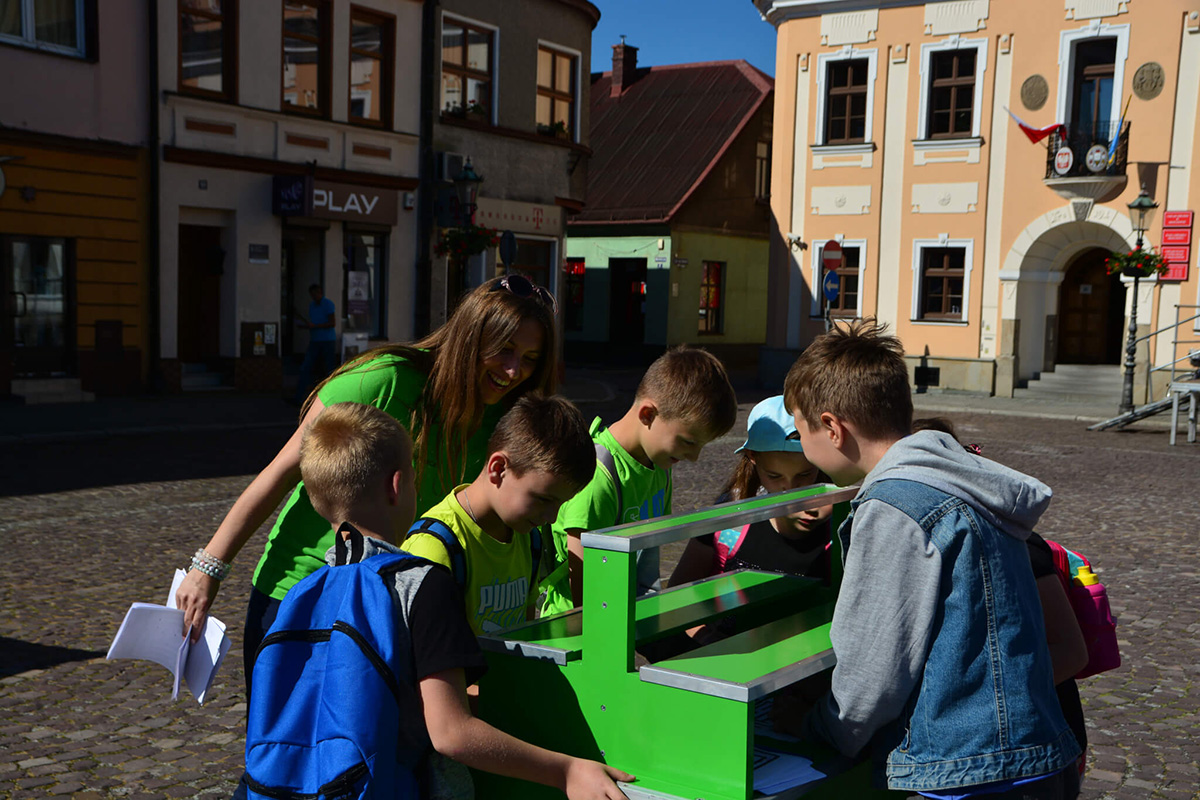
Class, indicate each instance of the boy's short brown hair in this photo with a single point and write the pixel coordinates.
(347, 453)
(856, 372)
(690, 383)
(546, 434)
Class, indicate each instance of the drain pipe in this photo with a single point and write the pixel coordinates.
(154, 369)
(425, 176)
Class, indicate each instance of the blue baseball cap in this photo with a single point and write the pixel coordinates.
(771, 428)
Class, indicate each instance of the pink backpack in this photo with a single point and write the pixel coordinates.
(727, 543)
(1089, 599)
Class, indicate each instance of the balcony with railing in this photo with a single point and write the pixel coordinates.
(1083, 165)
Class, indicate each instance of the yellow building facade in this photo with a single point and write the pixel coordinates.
(983, 250)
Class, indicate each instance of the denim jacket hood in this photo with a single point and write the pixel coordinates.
(1010, 500)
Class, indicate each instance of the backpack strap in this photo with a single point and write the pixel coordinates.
(458, 560)
(348, 550)
(605, 461)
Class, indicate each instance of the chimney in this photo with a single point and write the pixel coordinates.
(624, 67)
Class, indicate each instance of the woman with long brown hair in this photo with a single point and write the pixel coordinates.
(448, 390)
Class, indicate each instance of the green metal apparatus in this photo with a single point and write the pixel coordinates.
(685, 726)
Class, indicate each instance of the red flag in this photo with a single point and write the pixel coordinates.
(1037, 134)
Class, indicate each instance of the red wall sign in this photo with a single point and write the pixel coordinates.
(1176, 241)
(1176, 236)
(1177, 219)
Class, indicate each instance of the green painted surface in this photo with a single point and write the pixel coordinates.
(596, 251)
(678, 742)
(748, 656)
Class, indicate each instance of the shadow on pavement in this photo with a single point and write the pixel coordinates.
(17, 656)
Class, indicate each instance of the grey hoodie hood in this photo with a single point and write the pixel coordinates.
(371, 547)
(1010, 500)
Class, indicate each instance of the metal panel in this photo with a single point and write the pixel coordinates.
(634, 536)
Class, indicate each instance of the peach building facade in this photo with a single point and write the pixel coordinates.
(982, 250)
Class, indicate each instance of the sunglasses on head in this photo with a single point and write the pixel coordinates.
(524, 288)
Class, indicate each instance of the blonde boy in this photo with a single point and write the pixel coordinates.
(683, 402)
(357, 464)
(540, 455)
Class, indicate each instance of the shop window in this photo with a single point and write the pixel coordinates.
(366, 253)
(556, 93)
(846, 304)
(712, 297)
(467, 70)
(534, 260)
(573, 294)
(306, 56)
(208, 48)
(372, 59)
(942, 280)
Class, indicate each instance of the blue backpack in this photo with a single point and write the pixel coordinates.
(327, 715)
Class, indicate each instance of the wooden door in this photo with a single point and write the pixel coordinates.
(1090, 312)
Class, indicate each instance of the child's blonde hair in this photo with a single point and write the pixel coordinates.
(546, 434)
(347, 454)
(690, 384)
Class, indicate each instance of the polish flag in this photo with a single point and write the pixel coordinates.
(1037, 134)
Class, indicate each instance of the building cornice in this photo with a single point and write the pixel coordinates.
(777, 12)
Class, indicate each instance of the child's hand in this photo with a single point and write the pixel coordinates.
(591, 780)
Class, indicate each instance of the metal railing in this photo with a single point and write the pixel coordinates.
(1081, 143)
(1175, 342)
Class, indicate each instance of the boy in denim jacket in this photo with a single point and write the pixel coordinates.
(942, 667)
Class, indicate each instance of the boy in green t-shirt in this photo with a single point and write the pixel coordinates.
(540, 455)
(683, 402)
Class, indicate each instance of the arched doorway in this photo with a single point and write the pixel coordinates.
(1091, 312)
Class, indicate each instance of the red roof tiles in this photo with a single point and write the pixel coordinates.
(655, 143)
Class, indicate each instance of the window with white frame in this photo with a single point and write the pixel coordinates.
(1091, 70)
(845, 96)
(941, 279)
(951, 88)
(848, 303)
(54, 26)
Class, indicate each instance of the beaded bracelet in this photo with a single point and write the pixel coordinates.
(210, 565)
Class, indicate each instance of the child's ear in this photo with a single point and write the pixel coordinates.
(393, 487)
(834, 427)
(496, 468)
(647, 412)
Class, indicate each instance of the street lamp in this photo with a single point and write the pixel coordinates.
(466, 186)
(1141, 214)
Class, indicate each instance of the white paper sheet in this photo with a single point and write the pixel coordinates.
(155, 633)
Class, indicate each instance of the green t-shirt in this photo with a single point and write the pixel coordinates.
(498, 591)
(297, 544)
(645, 493)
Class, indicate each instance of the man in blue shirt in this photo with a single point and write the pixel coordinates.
(322, 342)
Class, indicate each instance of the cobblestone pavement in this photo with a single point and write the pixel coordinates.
(75, 725)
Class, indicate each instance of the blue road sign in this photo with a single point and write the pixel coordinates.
(830, 285)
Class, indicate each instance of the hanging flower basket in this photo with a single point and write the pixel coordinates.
(462, 243)
(1136, 263)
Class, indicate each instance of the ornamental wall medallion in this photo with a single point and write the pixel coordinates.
(1148, 80)
(1034, 92)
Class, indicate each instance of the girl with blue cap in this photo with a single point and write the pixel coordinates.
(772, 461)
